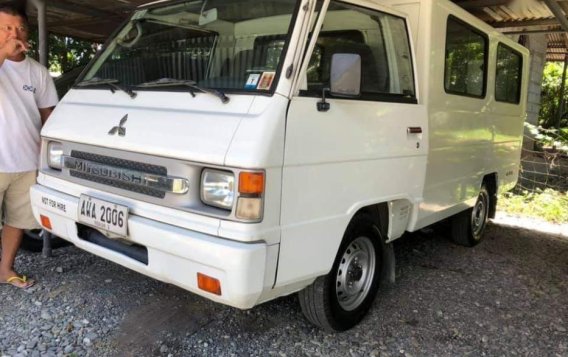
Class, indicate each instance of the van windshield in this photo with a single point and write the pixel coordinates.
(231, 45)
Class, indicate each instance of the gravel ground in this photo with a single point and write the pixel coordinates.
(507, 296)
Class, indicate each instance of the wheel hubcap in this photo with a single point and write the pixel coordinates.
(479, 216)
(355, 273)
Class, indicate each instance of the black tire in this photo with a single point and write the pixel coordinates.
(33, 241)
(339, 300)
(467, 227)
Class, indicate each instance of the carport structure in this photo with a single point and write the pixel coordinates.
(541, 25)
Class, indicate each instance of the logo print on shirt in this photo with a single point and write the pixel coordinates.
(29, 88)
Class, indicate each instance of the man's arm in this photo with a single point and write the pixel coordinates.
(44, 114)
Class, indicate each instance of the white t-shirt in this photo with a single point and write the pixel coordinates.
(24, 87)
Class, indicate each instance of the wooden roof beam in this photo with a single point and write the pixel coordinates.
(80, 9)
(476, 4)
(88, 21)
(525, 23)
(528, 31)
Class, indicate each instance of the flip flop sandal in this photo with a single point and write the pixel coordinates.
(19, 279)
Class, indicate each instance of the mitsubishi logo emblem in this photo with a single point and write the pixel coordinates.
(120, 129)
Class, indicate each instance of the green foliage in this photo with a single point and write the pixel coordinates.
(551, 138)
(65, 53)
(549, 106)
(547, 204)
(564, 134)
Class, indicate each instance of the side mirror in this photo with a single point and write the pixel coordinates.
(345, 75)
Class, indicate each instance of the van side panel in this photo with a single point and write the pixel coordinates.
(470, 137)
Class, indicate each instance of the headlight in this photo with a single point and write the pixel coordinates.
(55, 155)
(218, 188)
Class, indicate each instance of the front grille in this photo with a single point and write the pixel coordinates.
(126, 164)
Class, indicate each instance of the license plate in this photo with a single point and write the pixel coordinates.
(106, 216)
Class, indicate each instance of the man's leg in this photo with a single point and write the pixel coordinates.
(18, 215)
(11, 240)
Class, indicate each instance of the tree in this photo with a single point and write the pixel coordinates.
(550, 95)
(65, 53)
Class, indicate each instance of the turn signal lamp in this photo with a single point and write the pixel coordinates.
(45, 222)
(209, 284)
(249, 203)
(251, 183)
(249, 208)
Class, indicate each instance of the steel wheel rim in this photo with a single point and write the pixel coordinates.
(355, 273)
(479, 215)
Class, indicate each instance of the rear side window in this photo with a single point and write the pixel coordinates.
(466, 60)
(382, 42)
(508, 75)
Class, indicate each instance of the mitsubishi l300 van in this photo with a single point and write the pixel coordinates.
(245, 150)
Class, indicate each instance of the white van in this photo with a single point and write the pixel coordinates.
(245, 150)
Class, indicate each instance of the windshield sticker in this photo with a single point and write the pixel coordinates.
(252, 81)
(266, 81)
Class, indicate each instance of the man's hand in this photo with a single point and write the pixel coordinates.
(13, 48)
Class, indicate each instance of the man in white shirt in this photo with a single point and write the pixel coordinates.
(27, 98)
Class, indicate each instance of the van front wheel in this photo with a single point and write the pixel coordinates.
(340, 299)
(468, 226)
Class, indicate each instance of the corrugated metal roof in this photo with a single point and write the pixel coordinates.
(524, 17)
(556, 46)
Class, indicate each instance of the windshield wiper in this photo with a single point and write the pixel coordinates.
(113, 84)
(192, 85)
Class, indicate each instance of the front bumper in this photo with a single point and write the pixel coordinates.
(175, 255)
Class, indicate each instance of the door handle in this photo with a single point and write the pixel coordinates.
(414, 130)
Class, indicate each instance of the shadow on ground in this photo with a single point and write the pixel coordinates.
(508, 295)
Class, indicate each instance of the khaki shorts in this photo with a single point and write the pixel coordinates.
(15, 199)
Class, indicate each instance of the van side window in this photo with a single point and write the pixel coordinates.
(466, 60)
(508, 75)
(380, 39)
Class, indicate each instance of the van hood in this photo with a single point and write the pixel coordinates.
(168, 124)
